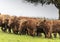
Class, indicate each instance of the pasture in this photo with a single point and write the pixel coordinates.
(10, 37)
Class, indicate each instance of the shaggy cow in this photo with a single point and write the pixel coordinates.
(45, 27)
(4, 22)
(22, 26)
(56, 27)
(13, 24)
(31, 26)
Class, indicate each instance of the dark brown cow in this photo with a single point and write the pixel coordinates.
(27, 25)
(56, 27)
(4, 22)
(13, 24)
(31, 26)
(50, 26)
(45, 27)
(22, 26)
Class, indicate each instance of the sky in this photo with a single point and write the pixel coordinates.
(21, 8)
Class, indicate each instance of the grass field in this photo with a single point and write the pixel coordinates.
(7, 37)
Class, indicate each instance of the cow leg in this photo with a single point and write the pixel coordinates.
(9, 30)
(37, 33)
(31, 33)
(47, 35)
(28, 31)
(55, 35)
(23, 31)
(20, 30)
(5, 28)
(51, 35)
(40, 34)
(15, 30)
(2, 28)
(59, 34)
(34, 31)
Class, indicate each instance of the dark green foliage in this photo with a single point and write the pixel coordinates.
(47, 2)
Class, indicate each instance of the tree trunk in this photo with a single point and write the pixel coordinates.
(59, 14)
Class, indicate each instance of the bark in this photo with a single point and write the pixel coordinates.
(59, 14)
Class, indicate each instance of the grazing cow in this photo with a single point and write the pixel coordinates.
(48, 27)
(45, 27)
(56, 27)
(22, 26)
(31, 26)
(4, 22)
(27, 26)
(13, 24)
(5, 25)
(1, 21)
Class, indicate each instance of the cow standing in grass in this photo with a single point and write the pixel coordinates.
(13, 24)
(22, 27)
(45, 27)
(56, 28)
(31, 26)
(4, 22)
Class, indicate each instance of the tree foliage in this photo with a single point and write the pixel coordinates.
(47, 2)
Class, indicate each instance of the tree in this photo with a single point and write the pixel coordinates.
(47, 2)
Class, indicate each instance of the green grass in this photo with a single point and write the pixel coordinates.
(7, 37)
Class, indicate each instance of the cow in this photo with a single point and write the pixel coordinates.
(56, 28)
(13, 24)
(4, 22)
(27, 26)
(45, 27)
(31, 26)
(22, 27)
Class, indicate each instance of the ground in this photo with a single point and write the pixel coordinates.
(10, 37)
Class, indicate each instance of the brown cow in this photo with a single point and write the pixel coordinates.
(45, 27)
(31, 26)
(13, 24)
(22, 26)
(4, 22)
(56, 27)
(27, 25)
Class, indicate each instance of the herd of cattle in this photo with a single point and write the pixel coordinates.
(30, 26)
